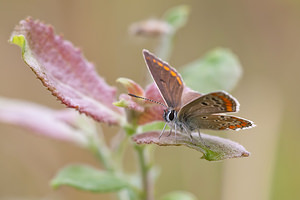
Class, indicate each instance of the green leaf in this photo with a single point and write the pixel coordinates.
(179, 195)
(89, 179)
(177, 16)
(218, 70)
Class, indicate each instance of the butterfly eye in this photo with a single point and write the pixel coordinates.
(171, 115)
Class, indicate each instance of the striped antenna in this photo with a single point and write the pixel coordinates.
(153, 101)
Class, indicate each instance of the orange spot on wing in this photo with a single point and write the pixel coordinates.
(173, 73)
(239, 126)
(166, 68)
(229, 108)
(179, 81)
(154, 60)
(222, 128)
(231, 127)
(244, 124)
(228, 103)
(159, 63)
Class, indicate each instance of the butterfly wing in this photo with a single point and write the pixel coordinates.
(200, 113)
(217, 122)
(215, 102)
(168, 81)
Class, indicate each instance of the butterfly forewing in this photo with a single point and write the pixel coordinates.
(217, 122)
(168, 81)
(215, 102)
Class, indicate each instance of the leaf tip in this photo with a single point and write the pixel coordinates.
(177, 16)
(122, 103)
(245, 154)
(18, 40)
(54, 184)
(131, 86)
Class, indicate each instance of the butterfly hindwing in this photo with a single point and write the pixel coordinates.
(211, 103)
(168, 81)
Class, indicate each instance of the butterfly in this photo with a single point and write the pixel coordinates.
(188, 111)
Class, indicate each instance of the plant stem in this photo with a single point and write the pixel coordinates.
(145, 173)
(103, 155)
(165, 47)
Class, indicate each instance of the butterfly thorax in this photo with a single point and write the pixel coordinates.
(170, 116)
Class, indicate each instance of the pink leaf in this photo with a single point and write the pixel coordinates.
(65, 72)
(143, 111)
(126, 101)
(213, 148)
(61, 125)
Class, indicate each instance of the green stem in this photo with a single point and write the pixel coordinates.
(100, 150)
(119, 149)
(147, 182)
(165, 47)
(102, 153)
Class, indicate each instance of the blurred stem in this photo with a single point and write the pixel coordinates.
(97, 144)
(147, 192)
(100, 150)
(165, 47)
(143, 157)
(104, 154)
(119, 148)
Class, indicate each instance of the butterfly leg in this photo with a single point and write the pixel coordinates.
(175, 134)
(201, 140)
(171, 132)
(188, 133)
(162, 131)
(171, 129)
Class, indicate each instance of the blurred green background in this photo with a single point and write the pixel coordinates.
(263, 34)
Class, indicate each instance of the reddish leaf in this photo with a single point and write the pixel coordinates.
(65, 72)
(61, 125)
(127, 102)
(144, 111)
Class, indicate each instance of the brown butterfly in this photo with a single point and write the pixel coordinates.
(188, 111)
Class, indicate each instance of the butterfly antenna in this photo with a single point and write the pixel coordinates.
(153, 101)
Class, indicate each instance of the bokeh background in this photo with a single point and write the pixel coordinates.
(263, 34)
